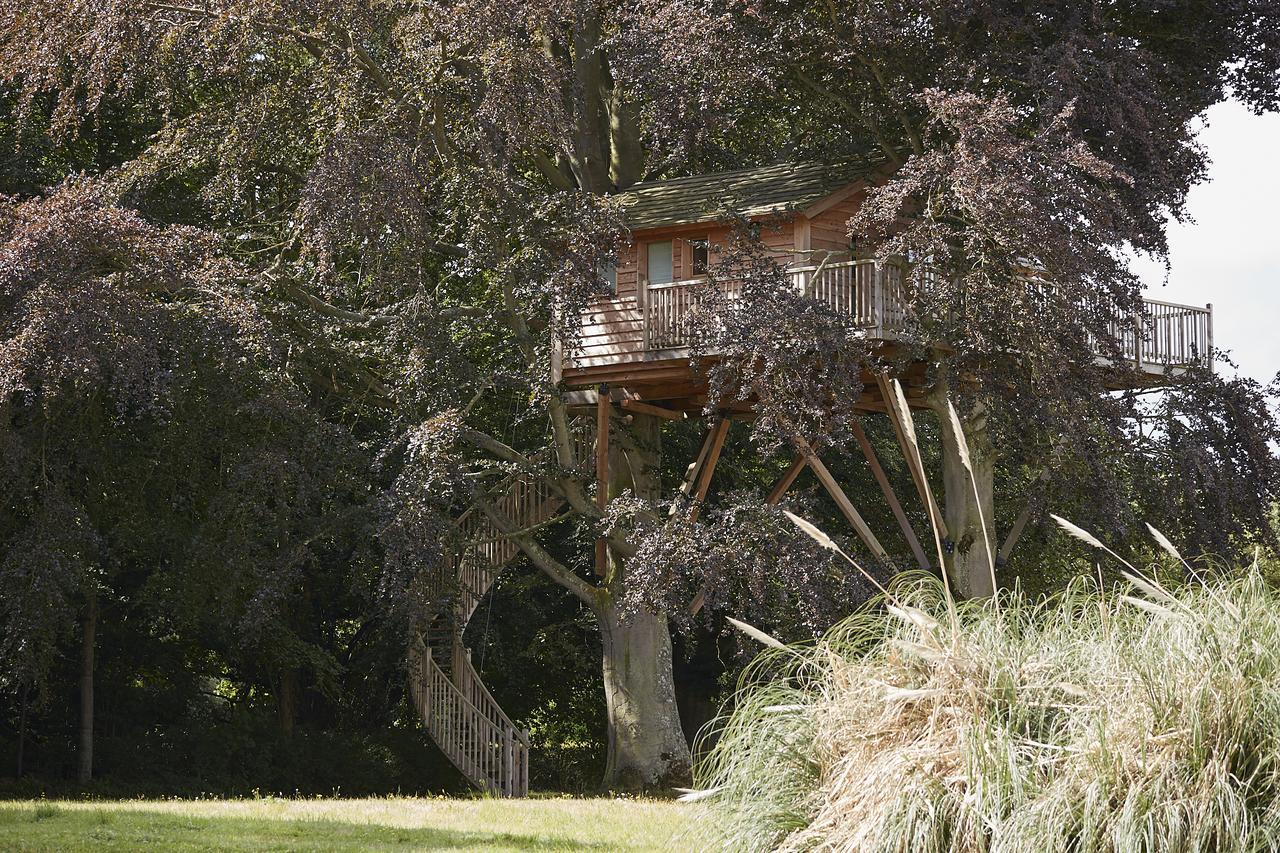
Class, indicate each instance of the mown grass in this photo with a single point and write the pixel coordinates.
(366, 824)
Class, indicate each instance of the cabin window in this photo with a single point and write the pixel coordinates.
(699, 260)
(608, 273)
(659, 263)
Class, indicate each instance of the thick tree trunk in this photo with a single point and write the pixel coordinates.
(968, 564)
(647, 746)
(88, 639)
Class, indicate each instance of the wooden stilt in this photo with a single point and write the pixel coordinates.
(695, 467)
(775, 494)
(1015, 533)
(898, 419)
(1020, 523)
(784, 482)
(842, 500)
(603, 410)
(656, 411)
(717, 436)
(887, 489)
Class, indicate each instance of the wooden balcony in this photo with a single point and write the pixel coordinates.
(1165, 335)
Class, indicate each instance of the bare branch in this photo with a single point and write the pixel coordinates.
(539, 556)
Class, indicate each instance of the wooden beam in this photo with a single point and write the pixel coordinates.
(887, 489)
(905, 442)
(717, 436)
(842, 500)
(691, 473)
(1020, 523)
(649, 409)
(603, 411)
(784, 482)
(775, 494)
(1015, 533)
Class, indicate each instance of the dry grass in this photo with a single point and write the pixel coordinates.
(1137, 720)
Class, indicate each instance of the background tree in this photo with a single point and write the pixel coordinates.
(421, 192)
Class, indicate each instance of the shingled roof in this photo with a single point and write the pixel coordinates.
(748, 192)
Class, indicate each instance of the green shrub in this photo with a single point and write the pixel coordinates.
(1131, 720)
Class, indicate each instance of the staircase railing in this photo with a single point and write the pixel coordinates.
(459, 712)
(469, 726)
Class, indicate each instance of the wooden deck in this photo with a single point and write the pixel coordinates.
(1166, 337)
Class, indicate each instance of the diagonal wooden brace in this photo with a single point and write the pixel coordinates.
(842, 500)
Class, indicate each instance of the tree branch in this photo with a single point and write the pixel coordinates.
(889, 149)
(539, 556)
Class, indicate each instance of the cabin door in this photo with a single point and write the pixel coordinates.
(660, 268)
(660, 315)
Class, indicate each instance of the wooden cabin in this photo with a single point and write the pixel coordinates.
(636, 342)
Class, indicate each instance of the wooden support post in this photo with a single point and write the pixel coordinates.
(898, 419)
(603, 407)
(1015, 533)
(1208, 333)
(784, 482)
(842, 500)
(716, 437)
(691, 473)
(508, 766)
(775, 494)
(886, 488)
(1020, 523)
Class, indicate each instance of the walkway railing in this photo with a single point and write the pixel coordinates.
(872, 294)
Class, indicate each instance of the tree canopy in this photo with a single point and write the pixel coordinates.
(281, 281)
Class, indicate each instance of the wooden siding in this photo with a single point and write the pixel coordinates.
(613, 328)
(829, 229)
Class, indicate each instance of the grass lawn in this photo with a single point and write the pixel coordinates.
(373, 824)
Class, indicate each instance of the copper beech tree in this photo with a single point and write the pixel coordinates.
(423, 191)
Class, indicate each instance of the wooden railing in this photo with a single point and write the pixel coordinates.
(872, 294)
(1169, 334)
(458, 711)
(487, 551)
(469, 726)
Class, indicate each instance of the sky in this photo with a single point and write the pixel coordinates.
(1230, 254)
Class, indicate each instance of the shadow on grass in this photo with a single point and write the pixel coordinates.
(51, 827)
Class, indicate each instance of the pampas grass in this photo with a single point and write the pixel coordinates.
(1134, 719)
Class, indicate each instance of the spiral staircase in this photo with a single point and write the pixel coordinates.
(457, 710)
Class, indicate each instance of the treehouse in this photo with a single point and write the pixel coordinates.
(637, 342)
(637, 339)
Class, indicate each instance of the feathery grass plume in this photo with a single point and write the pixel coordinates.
(1089, 539)
(1081, 722)
(812, 530)
(693, 795)
(1078, 532)
(962, 444)
(1168, 548)
(903, 411)
(1149, 585)
(1165, 544)
(758, 635)
(827, 542)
